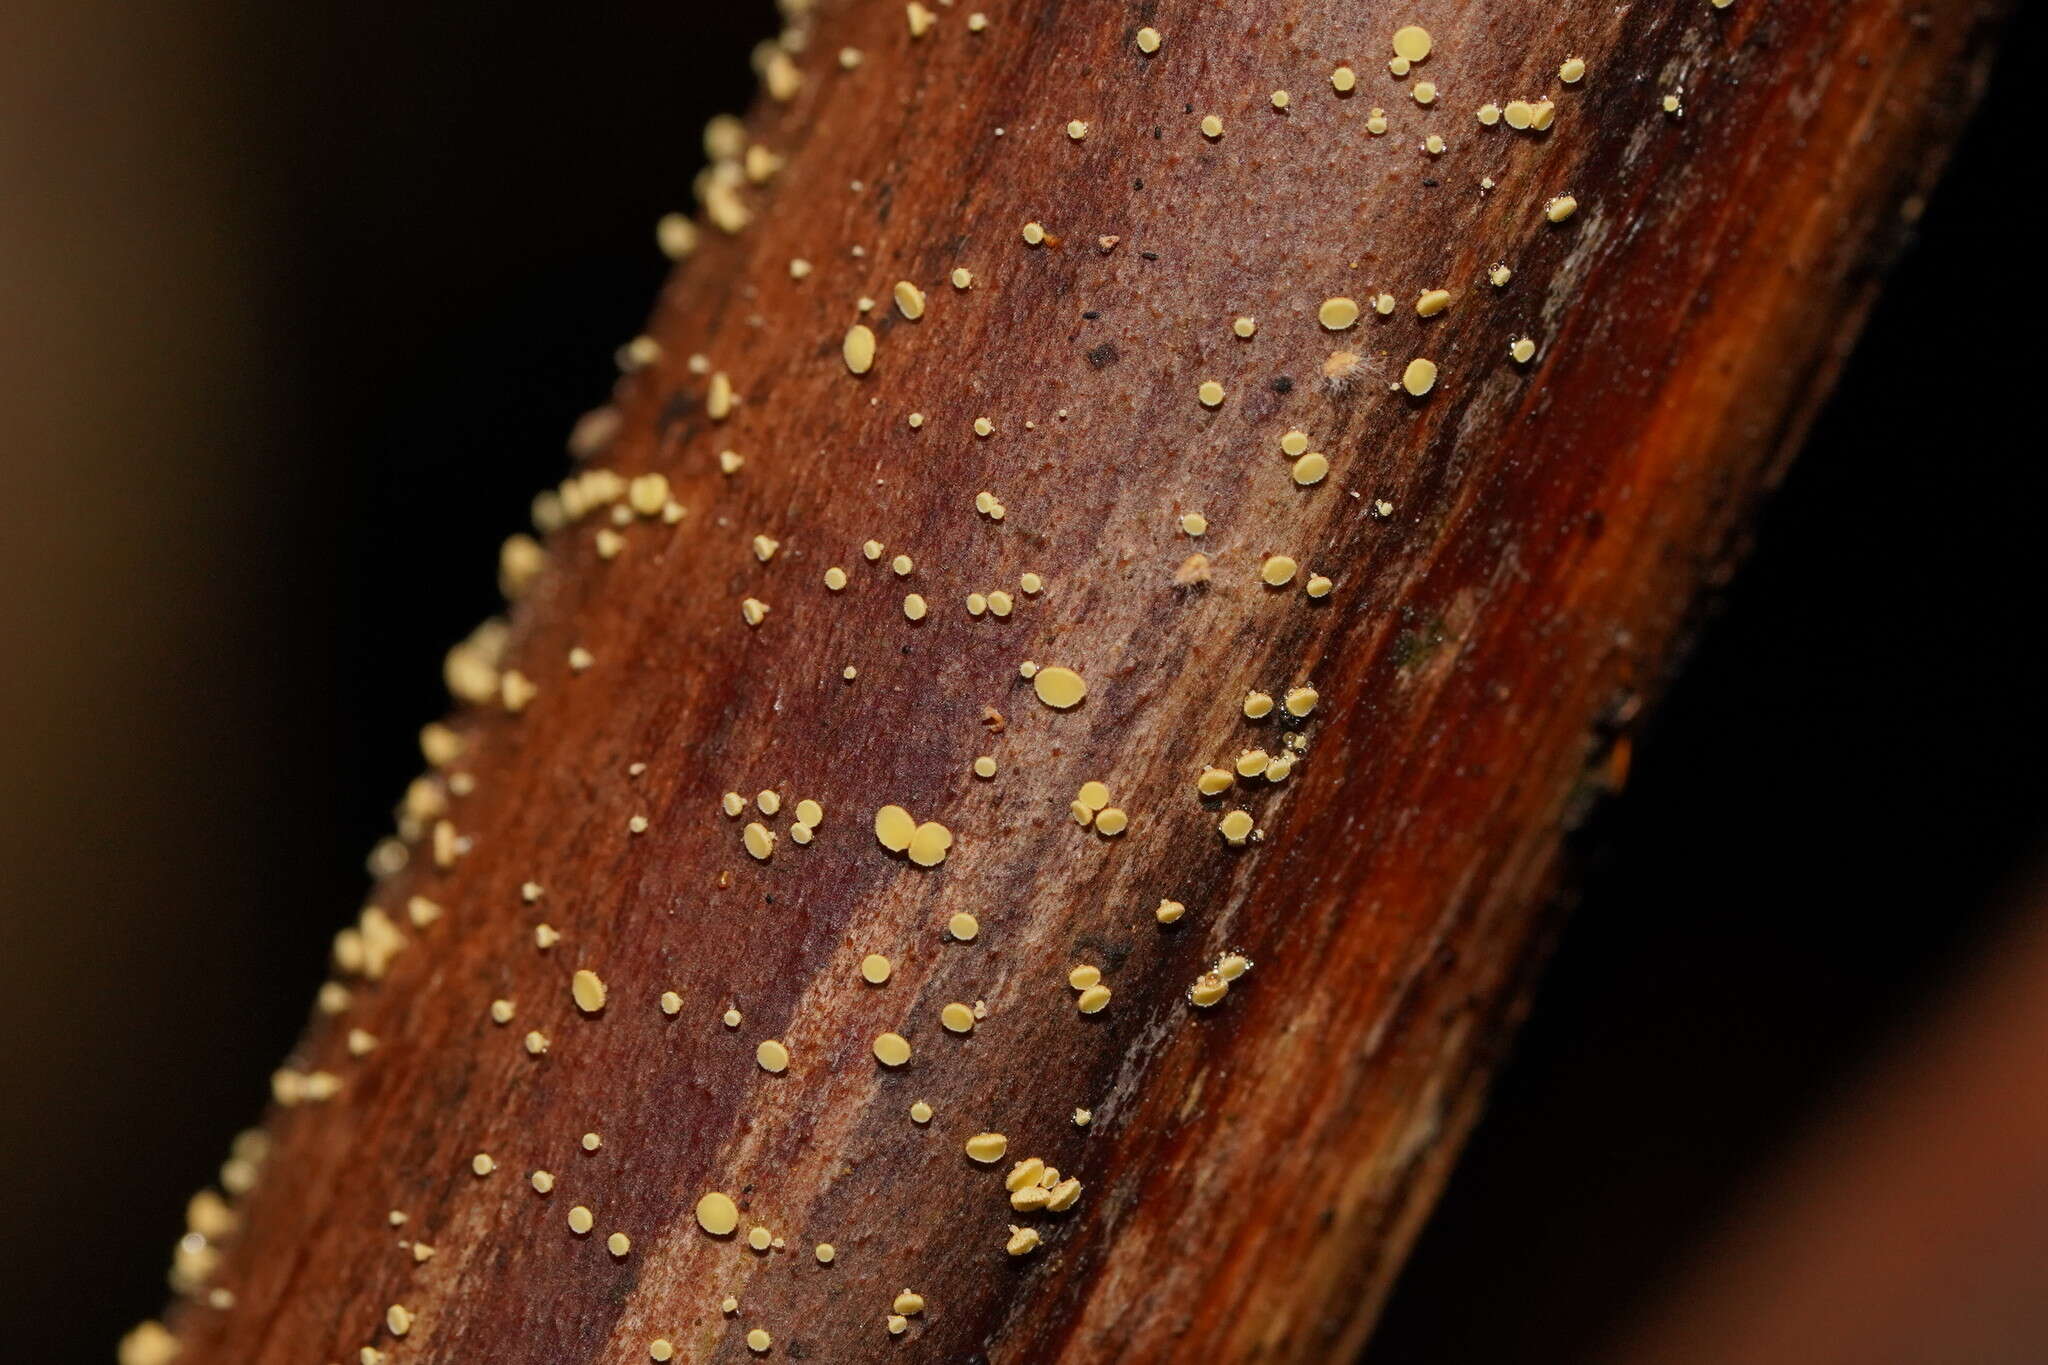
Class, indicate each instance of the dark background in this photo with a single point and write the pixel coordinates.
(300, 302)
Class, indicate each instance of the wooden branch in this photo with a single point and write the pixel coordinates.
(1512, 558)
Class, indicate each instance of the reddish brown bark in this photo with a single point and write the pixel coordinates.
(1254, 1172)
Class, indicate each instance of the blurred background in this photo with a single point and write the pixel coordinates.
(299, 303)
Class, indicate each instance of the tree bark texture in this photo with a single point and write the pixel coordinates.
(1513, 555)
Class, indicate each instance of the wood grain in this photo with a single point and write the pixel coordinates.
(1254, 1172)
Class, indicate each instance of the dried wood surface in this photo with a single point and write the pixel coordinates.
(1253, 1171)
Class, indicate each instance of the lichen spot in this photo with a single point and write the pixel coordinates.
(1059, 688)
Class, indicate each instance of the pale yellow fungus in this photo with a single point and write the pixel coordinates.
(1031, 583)
(916, 420)
(759, 840)
(976, 22)
(1279, 768)
(849, 672)
(591, 1142)
(929, 844)
(728, 1304)
(1059, 688)
(1432, 302)
(824, 1251)
(1034, 233)
(898, 1324)
(1194, 523)
(1112, 822)
(1213, 781)
(731, 1018)
(1488, 114)
(859, 348)
(1672, 105)
(482, 1164)
(1412, 41)
(1311, 468)
(773, 1056)
(661, 1348)
(850, 58)
(1084, 976)
(1434, 145)
(1522, 350)
(891, 1049)
(398, 1319)
(730, 461)
(962, 277)
(908, 1304)
(1148, 40)
(671, 1003)
(1207, 990)
(1541, 114)
(1498, 275)
(1258, 705)
(542, 1181)
(545, 936)
(915, 607)
(1337, 313)
(1093, 1000)
(964, 927)
(1252, 762)
(717, 1214)
(1212, 127)
(753, 610)
(920, 1112)
(976, 604)
(1400, 66)
(588, 989)
(1245, 326)
(759, 1341)
(983, 427)
(1343, 80)
(909, 300)
(920, 19)
(1573, 71)
(1062, 1195)
(759, 1238)
(732, 803)
(618, 1244)
(987, 1148)
(1376, 123)
(719, 399)
(1424, 92)
(894, 827)
(501, 1011)
(1383, 305)
(1519, 114)
(765, 548)
(676, 235)
(1301, 700)
(1281, 99)
(985, 766)
(1000, 602)
(875, 969)
(809, 812)
(1083, 814)
(1169, 912)
(1093, 795)
(1236, 827)
(1278, 570)
(1420, 377)
(637, 825)
(1022, 1241)
(957, 1018)
(1560, 207)
(1076, 129)
(1210, 392)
